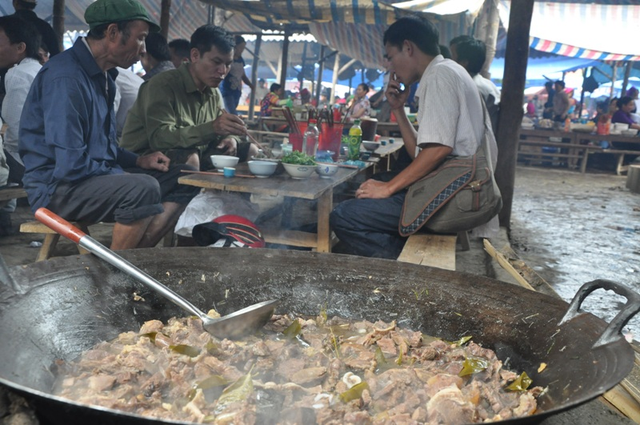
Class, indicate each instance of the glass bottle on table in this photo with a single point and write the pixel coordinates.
(310, 138)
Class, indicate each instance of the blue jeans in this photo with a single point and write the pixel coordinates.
(369, 227)
(231, 99)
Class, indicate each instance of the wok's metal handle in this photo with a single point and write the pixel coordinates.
(613, 332)
(68, 230)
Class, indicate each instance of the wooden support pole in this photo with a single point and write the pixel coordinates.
(285, 57)
(511, 112)
(254, 75)
(320, 71)
(58, 21)
(165, 16)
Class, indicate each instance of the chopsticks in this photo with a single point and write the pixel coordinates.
(209, 173)
(293, 124)
(253, 141)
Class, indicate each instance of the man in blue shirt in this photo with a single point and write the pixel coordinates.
(73, 164)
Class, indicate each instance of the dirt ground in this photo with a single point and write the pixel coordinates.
(573, 228)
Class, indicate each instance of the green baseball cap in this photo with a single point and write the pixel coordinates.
(103, 12)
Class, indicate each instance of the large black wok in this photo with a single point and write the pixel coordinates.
(66, 305)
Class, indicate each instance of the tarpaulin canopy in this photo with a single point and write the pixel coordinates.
(603, 30)
(541, 69)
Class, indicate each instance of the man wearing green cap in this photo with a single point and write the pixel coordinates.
(73, 165)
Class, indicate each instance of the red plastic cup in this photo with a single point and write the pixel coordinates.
(296, 141)
(330, 139)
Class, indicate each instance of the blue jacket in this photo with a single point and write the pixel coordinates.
(67, 128)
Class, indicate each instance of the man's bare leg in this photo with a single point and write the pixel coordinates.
(161, 224)
(128, 236)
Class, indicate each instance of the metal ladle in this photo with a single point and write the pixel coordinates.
(236, 324)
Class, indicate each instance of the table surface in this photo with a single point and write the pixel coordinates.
(277, 184)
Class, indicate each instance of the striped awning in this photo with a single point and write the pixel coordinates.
(605, 32)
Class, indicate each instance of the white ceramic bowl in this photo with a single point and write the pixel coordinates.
(621, 126)
(326, 170)
(298, 171)
(221, 161)
(262, 169)
(370, 146)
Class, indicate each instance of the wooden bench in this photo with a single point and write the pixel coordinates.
(51, 238)
(9, 193)
(574, 152)
(619, 154)
(433, 250)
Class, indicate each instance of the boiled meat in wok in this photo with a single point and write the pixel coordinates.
(299, 370)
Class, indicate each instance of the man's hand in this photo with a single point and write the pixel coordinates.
(229, 124)
(396, 96)
(230, 146)
(154, 161)
(373, 189)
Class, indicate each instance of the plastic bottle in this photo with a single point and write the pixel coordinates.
(310, 138)
(355, 139)
(567, 124)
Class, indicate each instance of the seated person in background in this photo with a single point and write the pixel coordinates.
(127, 85)
(623, 114)
(561, 103)
(73, 165)
(360, 107)
(471, 53)
(180, 51)
(157, 58)
(272, 99)
(19, 52)
(180, 112)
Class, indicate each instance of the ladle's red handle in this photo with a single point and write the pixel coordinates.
(59, 225)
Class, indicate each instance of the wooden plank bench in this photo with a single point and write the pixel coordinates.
(619, 154)
(9, 193)
(574, 152)
(433, 250)
(51, 238)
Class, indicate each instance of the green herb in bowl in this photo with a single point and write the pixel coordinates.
(298, 158)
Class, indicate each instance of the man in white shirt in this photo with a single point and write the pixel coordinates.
(19, 52)
(127, 85)
(450, 123)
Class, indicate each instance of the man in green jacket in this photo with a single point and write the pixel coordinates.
(181, 113)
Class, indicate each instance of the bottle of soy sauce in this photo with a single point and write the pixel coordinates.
(355, 139)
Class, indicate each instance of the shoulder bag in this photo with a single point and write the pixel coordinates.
(459, 195)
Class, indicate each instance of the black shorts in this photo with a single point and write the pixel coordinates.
(121, 198)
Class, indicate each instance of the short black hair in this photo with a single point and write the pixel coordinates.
(239, 39)
(624, 100)
(416, 29)
(459, 39)
(156, 45)
(210, 35)
(26, 5)
(560, 83)
(18, 30)
(275, 87)
(445, 52)
(473, 52)
(365, 86)
(181, 47)
(98, 32)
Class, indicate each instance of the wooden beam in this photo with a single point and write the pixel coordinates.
(515, 70)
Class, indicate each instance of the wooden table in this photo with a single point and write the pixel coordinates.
(313, 188)
(383, 156)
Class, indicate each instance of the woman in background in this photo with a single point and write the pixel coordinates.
(360, 107)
